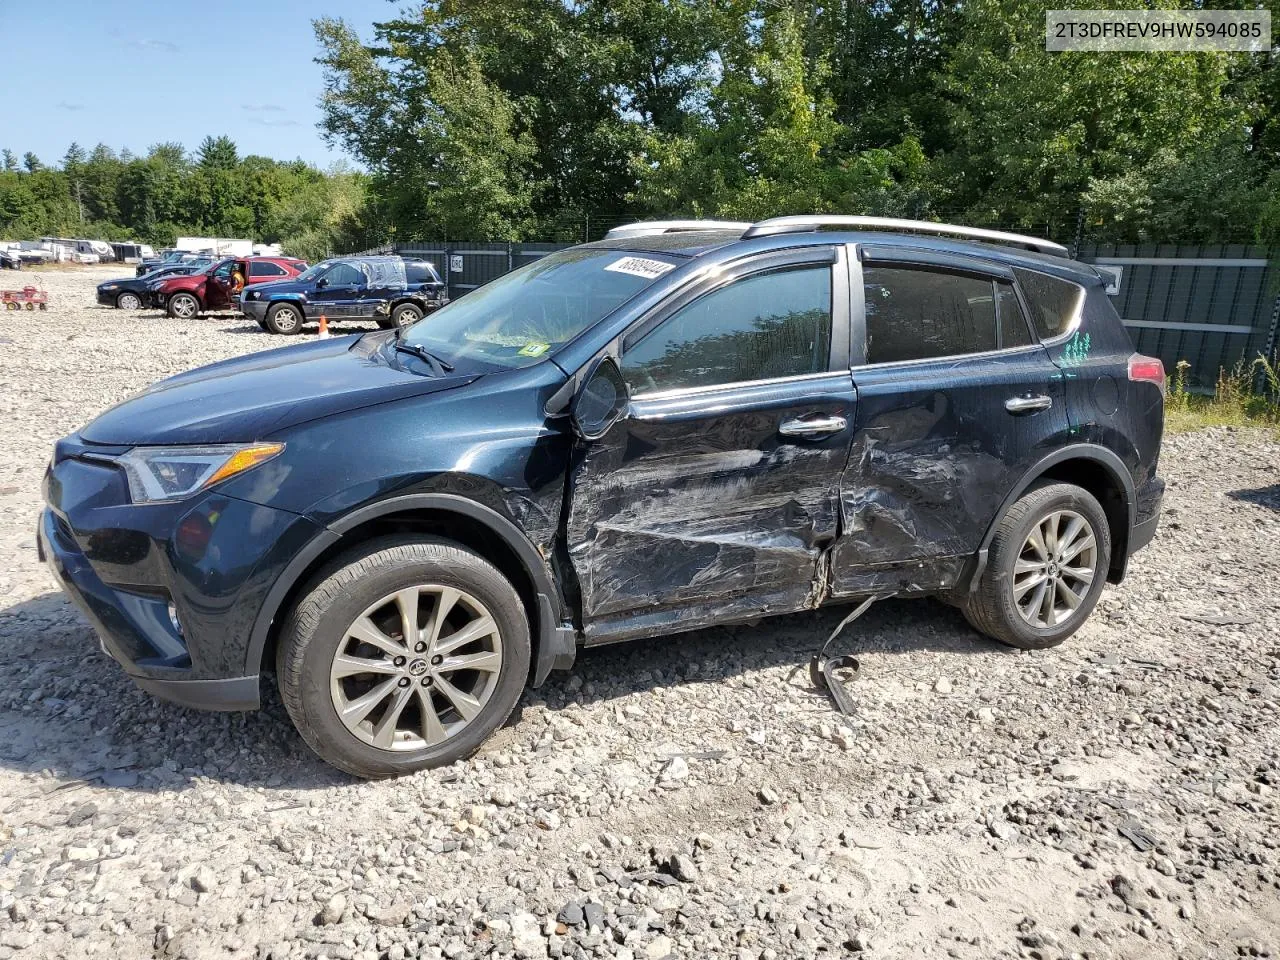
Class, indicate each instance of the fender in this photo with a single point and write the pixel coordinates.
(556, 643)
(1076, 451)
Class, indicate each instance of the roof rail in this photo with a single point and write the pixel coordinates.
(806, 224)
(647, 228)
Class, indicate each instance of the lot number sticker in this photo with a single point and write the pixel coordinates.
(535, 349)
(455, 263)
(640, 267)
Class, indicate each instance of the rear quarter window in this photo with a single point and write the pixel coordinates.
(1054, 303)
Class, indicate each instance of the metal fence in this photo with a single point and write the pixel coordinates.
(1213, 306)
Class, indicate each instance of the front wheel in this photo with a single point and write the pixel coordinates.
(1046, 568)
(183, 306)
(129, 301)
(284, 318)
(403, 655)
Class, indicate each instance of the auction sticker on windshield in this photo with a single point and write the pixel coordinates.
(533, 349)
(640, 267)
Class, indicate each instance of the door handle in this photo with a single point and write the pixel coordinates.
(812, 427)
(1018, 405)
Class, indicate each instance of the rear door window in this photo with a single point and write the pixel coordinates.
(921, 314)
(263, 268)
(1014, 331)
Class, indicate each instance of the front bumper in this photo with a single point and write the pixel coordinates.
(108, 297)
(211, 561)
(253, 309)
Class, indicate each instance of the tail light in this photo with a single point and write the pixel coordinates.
(1149, 369)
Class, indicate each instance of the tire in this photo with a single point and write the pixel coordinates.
(284, 318)
(183, 306)
(403, 314)
(1004, 606)
(128, 301)
(363, 588)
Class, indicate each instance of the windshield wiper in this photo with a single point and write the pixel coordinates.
(437, 364)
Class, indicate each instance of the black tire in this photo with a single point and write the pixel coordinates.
(992, 608)
(316, 628)
(183, 306)
(128, 301)
(404, 314)
(285, 319)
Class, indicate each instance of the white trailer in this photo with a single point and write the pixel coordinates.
(218, 246)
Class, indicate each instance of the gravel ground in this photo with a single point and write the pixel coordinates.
(1115, 797)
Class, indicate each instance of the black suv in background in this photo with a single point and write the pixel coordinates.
(393, 291)
(662, 431)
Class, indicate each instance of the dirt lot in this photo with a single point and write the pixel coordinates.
(1115, 797)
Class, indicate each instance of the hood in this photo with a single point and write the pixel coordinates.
(254, 397)
(275, 288)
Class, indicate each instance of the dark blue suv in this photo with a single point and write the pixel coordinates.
(392, 291)
(678, 426)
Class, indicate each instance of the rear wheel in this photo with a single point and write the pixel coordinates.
(1046, 568)
(129, 301)
(284, 318)
(183, 306)
(404, 314)
(403, 655)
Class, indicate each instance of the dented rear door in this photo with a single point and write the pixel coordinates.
(956, 400)
(716, 496)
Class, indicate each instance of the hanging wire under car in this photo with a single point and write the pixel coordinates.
(822, 671)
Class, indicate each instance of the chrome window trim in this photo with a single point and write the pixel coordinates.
(946, 358)
(676, 393)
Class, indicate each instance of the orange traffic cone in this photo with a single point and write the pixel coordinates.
(324, 326)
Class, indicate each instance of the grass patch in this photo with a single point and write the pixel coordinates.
(1247, 395)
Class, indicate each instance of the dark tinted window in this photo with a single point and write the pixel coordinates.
(420, 272)
(1013, 326)
(919, 314)
(775, 324)
(264, 268)
(344, 275)
(1053, 303)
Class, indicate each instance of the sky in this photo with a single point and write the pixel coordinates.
(130, 73)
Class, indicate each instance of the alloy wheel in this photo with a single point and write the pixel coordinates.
(416, 667)
(183, 307)
(129, 301)
(1055, 569)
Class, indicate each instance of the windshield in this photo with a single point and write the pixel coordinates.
(312, 272)
(524, 315)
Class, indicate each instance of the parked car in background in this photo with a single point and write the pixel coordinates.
(171, 258)
(130, 293)
(392, 291)
(624, 440)
(10, 260)
(211, 289)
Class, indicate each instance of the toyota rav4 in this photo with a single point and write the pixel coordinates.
(682, 425)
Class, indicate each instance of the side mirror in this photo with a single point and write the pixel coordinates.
(601, 402)
(321, 283)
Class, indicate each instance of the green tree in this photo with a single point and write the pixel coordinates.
(218, 153)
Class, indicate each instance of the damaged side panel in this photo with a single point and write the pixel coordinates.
(934, 454)
(696, 509)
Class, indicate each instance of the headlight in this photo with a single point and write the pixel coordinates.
(107, 286)
(162, 474)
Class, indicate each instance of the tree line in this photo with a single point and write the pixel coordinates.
(523, 119)
(554, 119)
(155, 198)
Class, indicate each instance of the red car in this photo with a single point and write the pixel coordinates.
(186, 297)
